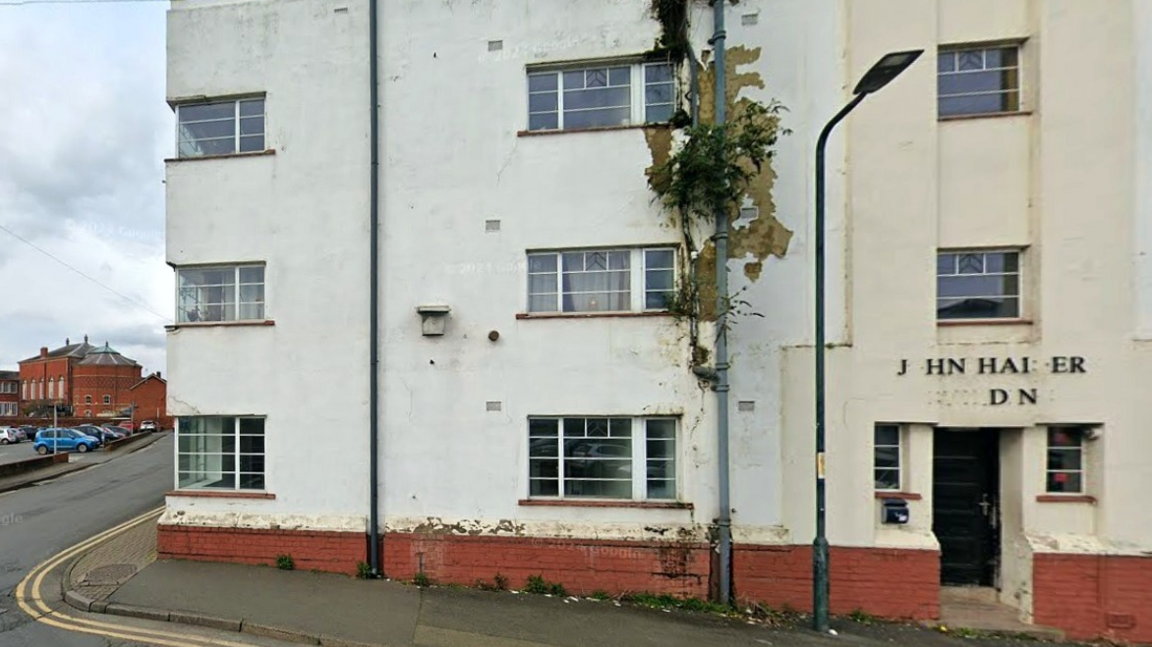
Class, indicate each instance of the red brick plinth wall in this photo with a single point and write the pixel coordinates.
(1094, 596)
(337, 552)
(581, 565)
(884, 582)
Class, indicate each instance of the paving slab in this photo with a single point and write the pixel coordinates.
(315, 603)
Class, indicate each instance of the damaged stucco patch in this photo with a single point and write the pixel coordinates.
(751, 240)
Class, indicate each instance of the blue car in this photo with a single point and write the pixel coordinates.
(51, 440)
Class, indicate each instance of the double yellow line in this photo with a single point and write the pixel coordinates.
(30, 598)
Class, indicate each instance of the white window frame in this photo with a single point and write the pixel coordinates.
(901, 442)
(8, 409)
(637, 82)
(983, 48)
(236, 284)
(1080, 433)
(24, 390)
(236, 454)
(1020, 273)
(637, 281)
(107, 400)
(235, 125)
(639, 459)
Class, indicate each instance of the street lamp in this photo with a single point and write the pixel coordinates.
(887, 68)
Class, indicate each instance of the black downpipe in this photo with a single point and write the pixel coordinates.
(374, 300)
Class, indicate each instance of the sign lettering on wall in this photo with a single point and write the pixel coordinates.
(1005, 366)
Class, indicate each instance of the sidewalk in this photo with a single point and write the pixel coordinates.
(121, 578)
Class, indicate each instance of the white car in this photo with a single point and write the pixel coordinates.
(8, 436)
(147, 425)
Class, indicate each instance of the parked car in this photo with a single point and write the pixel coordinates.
(8, 436)
(29, 431)
(124, 433)
(105, 436)
(53, 440)
(125, 426)
(147, 425)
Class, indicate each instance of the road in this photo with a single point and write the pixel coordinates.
(40, 521)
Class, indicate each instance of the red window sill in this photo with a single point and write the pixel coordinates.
(221, 494)
(1065, 498)
(217, 324)
(200, 158)
(599, 129)
(907, 496)
(599, 503)
(984, 322)
(589, 315)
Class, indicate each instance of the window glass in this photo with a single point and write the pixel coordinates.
(234, 293)
(220, 127)
(886, 456)
(978, 81)
(600, 96)
(978, 285)
(1065, 472)
(220, 452)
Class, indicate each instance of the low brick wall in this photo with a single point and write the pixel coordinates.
(31, 464)
(884, 582)
(1094, 596)
(126, 442)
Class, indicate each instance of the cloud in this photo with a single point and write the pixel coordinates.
(83, 132)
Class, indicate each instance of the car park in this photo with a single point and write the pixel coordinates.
(53, 440)
(8, 436)
(104, 435)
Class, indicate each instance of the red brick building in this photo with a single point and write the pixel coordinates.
(91, 381)
(149, 397)
(9, 394)
(46, 379)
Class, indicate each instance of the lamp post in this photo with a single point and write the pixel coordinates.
(887, 68)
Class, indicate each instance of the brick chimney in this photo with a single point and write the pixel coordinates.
(43, 352)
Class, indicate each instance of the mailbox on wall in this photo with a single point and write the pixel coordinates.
(894, 511)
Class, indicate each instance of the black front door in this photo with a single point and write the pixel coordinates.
(964, 505)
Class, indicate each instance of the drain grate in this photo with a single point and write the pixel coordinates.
(110, 574)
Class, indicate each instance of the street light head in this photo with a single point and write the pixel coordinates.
(886, 69)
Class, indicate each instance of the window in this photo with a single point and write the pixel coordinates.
(601, 280)
(8, 409)
(233, 293)
(1066, 460)
(51, 389)
(24, 394)
(886, 457)
(220, 452)
(87, 399)
(220, 127)
(87, 412)
(978, 285)
(41, 389)
(107, 399)
(598, 457)
(976, 81)
(594, 97)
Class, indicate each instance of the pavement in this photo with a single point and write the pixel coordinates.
(122, 578)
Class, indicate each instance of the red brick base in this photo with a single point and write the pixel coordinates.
(883, 582)
(1094, 596)
(336, 552)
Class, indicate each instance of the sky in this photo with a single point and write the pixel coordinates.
(84, 130)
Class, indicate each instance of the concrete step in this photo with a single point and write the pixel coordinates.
(979, 609)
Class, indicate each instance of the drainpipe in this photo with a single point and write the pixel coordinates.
(374, 299)
(724, 522)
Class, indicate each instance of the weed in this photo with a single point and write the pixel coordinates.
(363, 570)
(863, 617)
(285, 563)
(665, 601)
(421, 580)
(501, 582)
(540, 586)
(600, 594)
